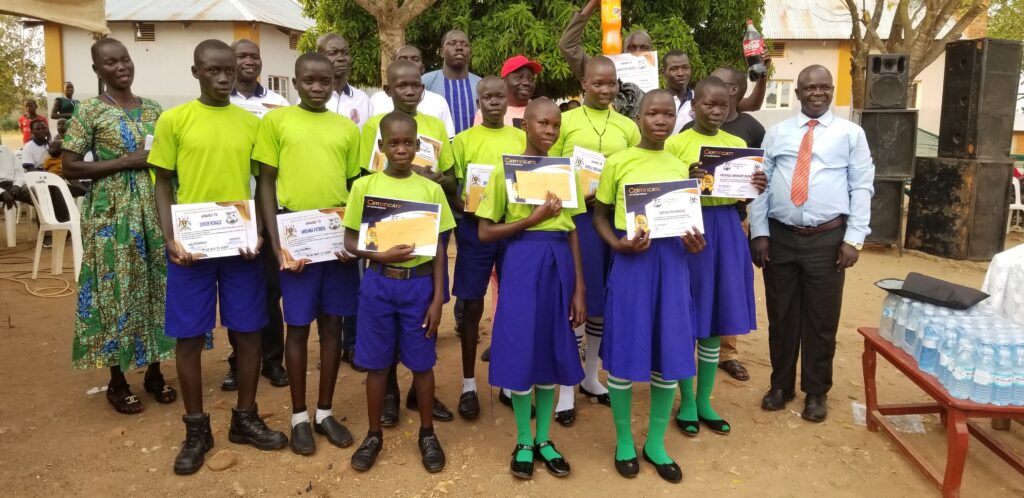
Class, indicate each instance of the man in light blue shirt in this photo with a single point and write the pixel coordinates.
(454, 81)
(806, 229)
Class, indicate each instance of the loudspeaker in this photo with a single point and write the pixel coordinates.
(958, 207)
(886, 211)
(979, 95)
(887, 81)
(892, 138)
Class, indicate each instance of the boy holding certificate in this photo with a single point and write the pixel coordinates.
(294, 145)
(722, 276)
(206, 143)
(649, 317)
(475, 153)
(402, 293)
(542, 299)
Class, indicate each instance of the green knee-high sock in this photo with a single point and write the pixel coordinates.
(663, 393)
(687, 401)
(621, 393)
(545, 407)
(707, 364)
(521, 407)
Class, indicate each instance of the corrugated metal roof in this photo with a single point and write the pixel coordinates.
(284, 13)
(819, 19)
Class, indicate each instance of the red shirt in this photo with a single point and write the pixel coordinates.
(26, 126)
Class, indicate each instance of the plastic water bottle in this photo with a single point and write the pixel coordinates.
(963, 370)
(900, 325)
(984, 373)
(947, 352)
(1017, 397)
(913, 332)
(1002, 381)
(890, 306)
(930, 319)
(928, 352)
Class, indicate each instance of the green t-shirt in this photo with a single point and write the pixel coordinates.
(636, 165)
(414, 188)
(209, 148)
(604, 131)
(426, 125)
(482, 145)
(315, 154)
(495, 206)
(686, 146)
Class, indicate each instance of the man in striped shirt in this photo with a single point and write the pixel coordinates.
(454, 81)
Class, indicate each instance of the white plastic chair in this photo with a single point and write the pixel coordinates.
(39, 183)
(1016, 205)
(11, 222)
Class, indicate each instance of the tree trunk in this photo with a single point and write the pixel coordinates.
(392, 38)
(392, 16)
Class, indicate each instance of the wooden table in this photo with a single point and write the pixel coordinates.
(953, 412)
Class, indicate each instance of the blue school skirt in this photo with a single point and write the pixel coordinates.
(596, 257)
(533, 342)
(649, 321)
(722, 276)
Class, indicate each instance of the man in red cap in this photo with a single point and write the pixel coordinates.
(519, 74)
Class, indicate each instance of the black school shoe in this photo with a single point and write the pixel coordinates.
(366, 455)
(566, 417)
(230, 382)
(558, 467)
(667, 471)
(522, 470)
(469, 405)
(389, 415)
(628, 468)
(302, 442)
(248, 428)
(198, 441)
(433, 455)
(440, 412)
(276, 374)
(335, 432)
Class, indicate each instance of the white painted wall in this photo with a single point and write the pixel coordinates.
(278, 59)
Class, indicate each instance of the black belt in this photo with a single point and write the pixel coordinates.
(832, 224)
(400, 273)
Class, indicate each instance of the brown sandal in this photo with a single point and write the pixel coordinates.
(735, 369)
(124, 401)
(162, 392)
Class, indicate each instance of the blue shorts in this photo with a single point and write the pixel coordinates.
(193, 293)
(390, 324)
(330, 287)
(474, 260)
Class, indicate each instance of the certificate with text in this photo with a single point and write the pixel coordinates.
(314, 235)
(388, 223)
(477, 178)
(663, 209)
(528, 179)
(729, 171)
(426, 156)
(640, 68)
(215, 229)
(589, 165)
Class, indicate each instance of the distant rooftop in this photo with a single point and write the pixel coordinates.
(283, 13)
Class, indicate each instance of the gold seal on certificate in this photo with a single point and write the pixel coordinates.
(662, 209)
(215, 229)
(388, 223)
(477, 178)
(589, 165)
(640, 68)
(314, 236)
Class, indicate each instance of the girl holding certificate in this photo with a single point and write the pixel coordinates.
(649, 315)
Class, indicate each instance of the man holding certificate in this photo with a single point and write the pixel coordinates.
(307, 157)
(207, 144)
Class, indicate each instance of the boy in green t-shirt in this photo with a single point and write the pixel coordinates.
(307, 158)
(401, 296)
(206, 144)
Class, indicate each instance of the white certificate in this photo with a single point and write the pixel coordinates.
(729, 171)
(640, 68)
(314, 236)
(215, 229)
(477, 178)
(662, 209)
(589, 165)
(426, 155)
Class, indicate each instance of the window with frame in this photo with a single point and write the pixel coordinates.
(145, 31)
(293, 40)
(778, 50)
(779, 94)
(279, 84)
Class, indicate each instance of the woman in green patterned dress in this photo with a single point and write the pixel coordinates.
(119, 322)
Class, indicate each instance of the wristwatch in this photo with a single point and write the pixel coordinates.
(854, 244)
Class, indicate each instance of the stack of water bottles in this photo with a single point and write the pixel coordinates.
(976, 353)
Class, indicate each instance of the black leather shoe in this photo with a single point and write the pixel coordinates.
(601, 399)
(276, 374)
(628, 468)
(486, 355)
(815, 408)
(348, 355)
(690, 428)
(198, 440)
(558, 467)
(440, 412)
(507, 401)
(248, 428)
(389, 416)
(522, 470)
(667, 471)
(366, 455)
(717, 426)
(302, 442)
(775, 399)
(335, 432)
(566, 417)
(433, 455)
(230, 382)
(469, 405)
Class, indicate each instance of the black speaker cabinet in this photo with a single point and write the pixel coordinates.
(887, 81)
(886, 211)
(958, 207)
(892, 138)
(979, 93)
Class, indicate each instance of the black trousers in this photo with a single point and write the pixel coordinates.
(272, 336)
(804, 295)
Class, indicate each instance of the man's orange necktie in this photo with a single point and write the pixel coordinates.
(802, 173)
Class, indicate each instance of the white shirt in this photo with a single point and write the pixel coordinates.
(684, 113)
(431, 104)
(34, 154)
(352, 103)
(261, 102)
(10, 170)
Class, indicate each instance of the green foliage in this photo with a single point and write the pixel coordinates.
(1007, 19)
(20, 75)
(710, 31)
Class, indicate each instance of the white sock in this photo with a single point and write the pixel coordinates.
(507, 392)
(592, 365)
(566, 399)
(298, 418)
(468, 385)
(322, 414)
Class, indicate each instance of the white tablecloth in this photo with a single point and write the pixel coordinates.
(1004, 282)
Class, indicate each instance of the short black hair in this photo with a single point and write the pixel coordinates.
(394, 118)
(36, 121)
(209, 45)
(450, 32)
(94, 50)
(326, 37)
(489, 79)
(673, 53)
(654, 93)
(310, 57)
(708, 84)
(400, 64)
(599, 61)
(240, 41)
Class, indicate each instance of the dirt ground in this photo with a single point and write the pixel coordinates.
(56, 440)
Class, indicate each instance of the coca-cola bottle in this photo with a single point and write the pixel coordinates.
(753, 51)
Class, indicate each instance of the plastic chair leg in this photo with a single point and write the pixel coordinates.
(11, 222)
(39, 253)
(76, 248)
(60, 238)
